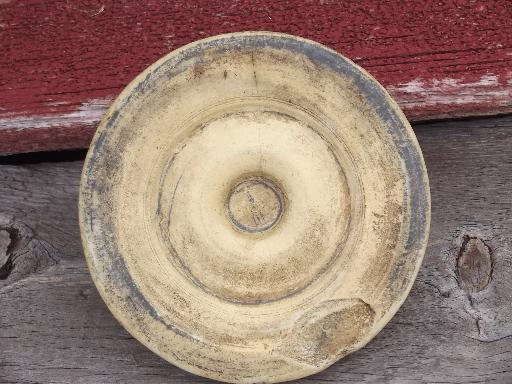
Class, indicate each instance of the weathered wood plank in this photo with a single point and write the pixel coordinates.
(44, 196)
(455, 327)
(63, 62)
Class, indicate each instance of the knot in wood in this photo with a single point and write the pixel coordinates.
(474, 264)
(21, 252)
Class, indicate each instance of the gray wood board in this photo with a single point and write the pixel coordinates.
(455, 326)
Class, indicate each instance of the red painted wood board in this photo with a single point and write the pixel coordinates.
(63, 62)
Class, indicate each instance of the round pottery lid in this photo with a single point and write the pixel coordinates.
(253, 207)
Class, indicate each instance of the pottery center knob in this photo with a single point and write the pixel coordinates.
(255, 204)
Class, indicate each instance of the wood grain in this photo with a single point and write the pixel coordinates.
(64, 61)
(25, 253)
(54, 327)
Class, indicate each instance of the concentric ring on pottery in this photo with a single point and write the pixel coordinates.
(254, 207)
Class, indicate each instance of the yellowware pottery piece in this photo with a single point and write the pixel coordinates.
(254, 207)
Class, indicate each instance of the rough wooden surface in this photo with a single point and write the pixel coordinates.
(63, 61)
(455, 327)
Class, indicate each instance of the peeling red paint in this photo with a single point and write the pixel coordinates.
(58, 56)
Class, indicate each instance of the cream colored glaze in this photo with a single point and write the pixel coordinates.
(260, 206)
